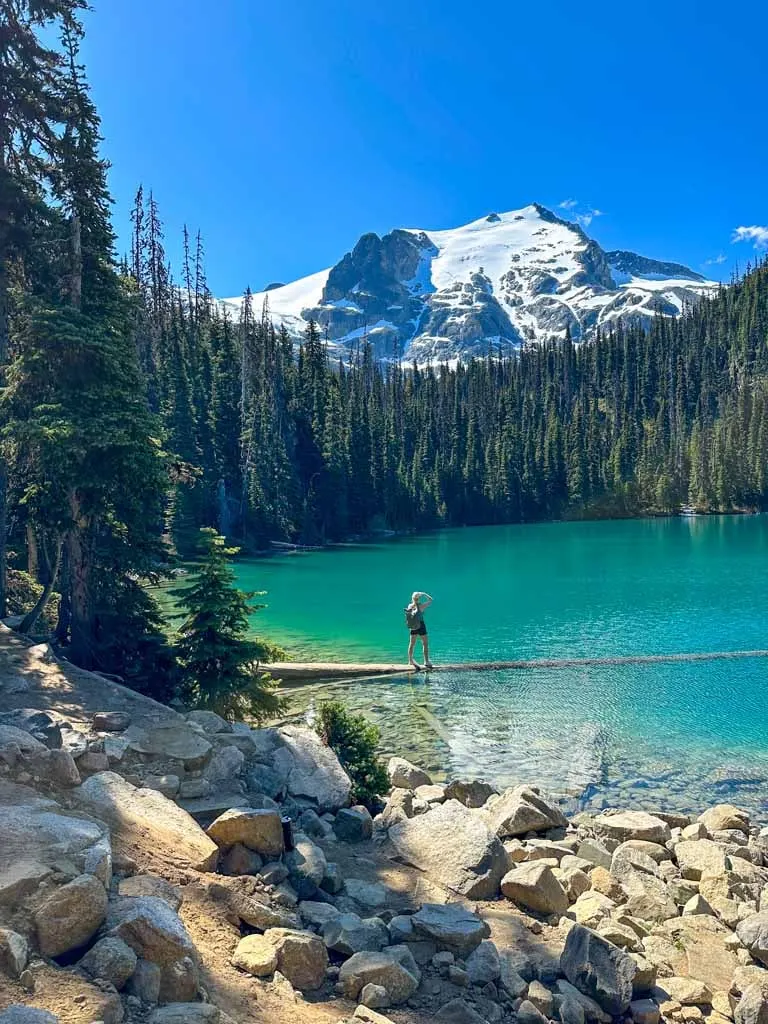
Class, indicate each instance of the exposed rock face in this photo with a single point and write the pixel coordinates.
(503, 279)
(451, 926)
(70, 915)
(598, 969)
(455, 847)
(521, 810)
(260, 831)
(534, 886)
(169, 828)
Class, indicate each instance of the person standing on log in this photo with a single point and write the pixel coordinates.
(414, 620)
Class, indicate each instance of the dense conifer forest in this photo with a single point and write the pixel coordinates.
(137, 410)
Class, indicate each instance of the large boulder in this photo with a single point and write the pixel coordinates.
(353, 824)
(37, 834)
(258, 830)
(697, 857)
(40, 724)
(483, 964)
(385, 968)
(633, 825)
(164, 826)
(71, 915)
(534, 886)
(753, 1005)
(175, 741)
(455, 847)
(111, 959)
(151, 928)
(451, 926)
(598, 969)
(311, 769)
(722, 817)
(301, 957)
(348, 934)
(696, 946)
(753, 933)
(404, 775)
(256, 955)
(470, 792)
(521, 810)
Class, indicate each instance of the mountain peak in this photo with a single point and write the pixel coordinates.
(504, 280)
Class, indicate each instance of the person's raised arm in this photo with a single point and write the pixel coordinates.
(427, 602)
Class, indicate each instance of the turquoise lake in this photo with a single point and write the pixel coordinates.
(678, 735)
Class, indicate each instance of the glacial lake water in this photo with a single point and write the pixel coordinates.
(675, 736)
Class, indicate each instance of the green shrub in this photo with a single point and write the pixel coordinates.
(23, 592)
(355, 742)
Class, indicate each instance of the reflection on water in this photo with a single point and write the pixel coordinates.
(674, 737)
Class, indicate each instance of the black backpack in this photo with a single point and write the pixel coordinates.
(412, 617)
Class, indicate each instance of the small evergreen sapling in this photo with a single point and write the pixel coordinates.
(219, 661)
(355, 741)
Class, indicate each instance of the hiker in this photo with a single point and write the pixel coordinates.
(414, 620)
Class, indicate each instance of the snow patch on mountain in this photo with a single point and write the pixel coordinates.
(498, 282)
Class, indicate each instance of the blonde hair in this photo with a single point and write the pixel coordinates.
(415, 597)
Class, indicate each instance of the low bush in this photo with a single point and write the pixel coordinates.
(355, 742)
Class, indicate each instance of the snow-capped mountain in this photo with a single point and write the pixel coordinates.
(503, 280)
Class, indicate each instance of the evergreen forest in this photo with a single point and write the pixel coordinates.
(137, 410)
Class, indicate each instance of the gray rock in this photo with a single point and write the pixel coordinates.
(71, 915)
(375, 997)
(455, 847)
(225, 766)
(307, 867)
(598, 969)
(175, 741)
(570, 1011)
(186, 1013)
(209, 722)
(541, 998)
(384, 968)
(458, 976)
(258, 830)
(312, 770)
(62, 769)
(14, 952)
(333, 881)
(527, 1013)
(457, 1011)
(367, 894)
(510, 980)
(596, 852)
(168, 785)
(301, 957)
(18, 1014)
(239, 860)
(633, 825)
(591, 1010)
(404, 775)
(111, 959)
(644, 1011)
(150, 885)
(451, 926)
(274, 873)
(144, 983)
(111, 721)
(168, 829)
(318, 914)
(311, 824)
(151, 928)
(39, 724)
(753, 1005)
(470, 792)
(534, 886)
(697, 857)
(262, 779)
(753, 933)
(179, 981)
(521, 810)
(353, 824)
(348, 934)
(401, 930)
(483, 964)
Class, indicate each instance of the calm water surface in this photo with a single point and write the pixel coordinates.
(675, 735)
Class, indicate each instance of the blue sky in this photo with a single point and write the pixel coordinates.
(284, 130)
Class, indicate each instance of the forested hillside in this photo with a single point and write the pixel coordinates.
(135, 410)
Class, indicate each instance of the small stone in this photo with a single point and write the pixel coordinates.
(353, 824)
(405, 775)
(14, 952)
(111, 959)
(239, 860)
(541, 998)
(644, 1011)
(483, 964)
(150, 885)
(534, 886)
(458, 976)
(144, 983)
(528, 1013)
(257, 955)
(725, 816)
(62, 769)
(457, 1011)
(451, 926)
(375, 997)
(92, 762)
(686, 991)
(168, 785)
(633, 825)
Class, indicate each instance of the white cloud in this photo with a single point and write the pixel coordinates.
(756, 234)
(720, 258)
(586, 218)
(568, 204)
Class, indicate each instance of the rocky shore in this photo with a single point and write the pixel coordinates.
(148, 874)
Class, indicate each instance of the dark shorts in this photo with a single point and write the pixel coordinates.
(421, 631)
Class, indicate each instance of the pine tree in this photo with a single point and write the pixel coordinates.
(219, 663)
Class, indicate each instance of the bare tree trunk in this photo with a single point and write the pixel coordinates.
(79, 557)
(29, 620)
(76, 276)
(65, 604)
(33, 555)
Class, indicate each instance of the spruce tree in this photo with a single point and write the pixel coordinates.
(219, 662)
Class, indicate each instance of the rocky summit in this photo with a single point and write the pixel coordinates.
(499, 282)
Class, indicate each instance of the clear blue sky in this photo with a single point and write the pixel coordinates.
(284, 129)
